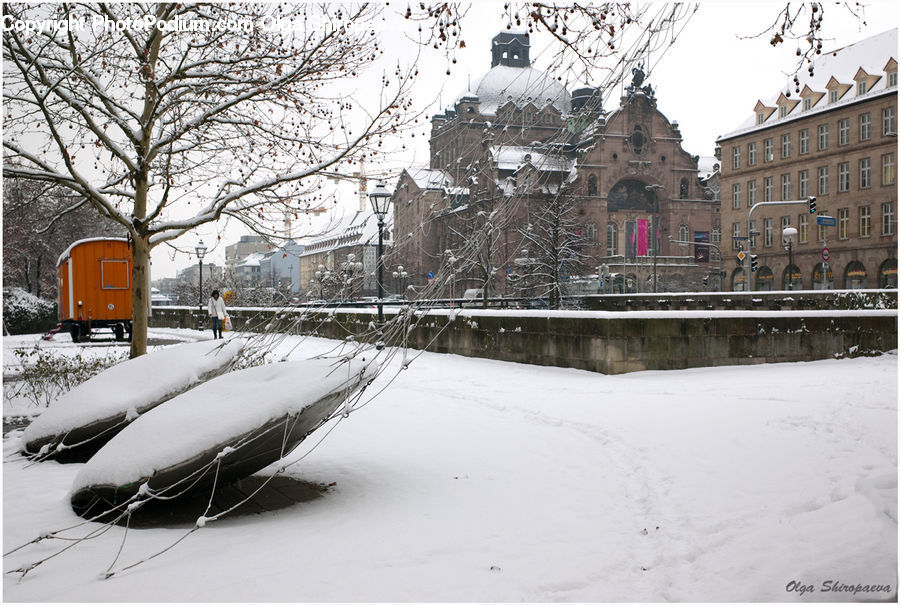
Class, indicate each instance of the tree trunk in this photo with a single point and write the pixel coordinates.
(37, 277)
(140, 295)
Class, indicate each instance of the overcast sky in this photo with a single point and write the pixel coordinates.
(708, 81)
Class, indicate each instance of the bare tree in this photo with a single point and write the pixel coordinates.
(553, 248)
(37, 228)
(164, 117)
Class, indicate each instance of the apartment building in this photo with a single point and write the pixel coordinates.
(832, 136)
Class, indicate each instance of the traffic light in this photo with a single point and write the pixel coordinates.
(754, 263)
(811, 200)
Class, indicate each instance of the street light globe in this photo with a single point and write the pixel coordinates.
(381, 200)
(788, 234)
(200, 249)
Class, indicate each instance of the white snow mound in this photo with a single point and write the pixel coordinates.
(136, 384)
(215, 413)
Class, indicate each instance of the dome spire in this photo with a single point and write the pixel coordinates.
(510, 49)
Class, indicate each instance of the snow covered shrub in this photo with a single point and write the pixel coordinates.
(47, 374)
(866, 300)
(25, 313)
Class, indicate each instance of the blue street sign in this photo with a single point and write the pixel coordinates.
(430, 275)
(826, 221)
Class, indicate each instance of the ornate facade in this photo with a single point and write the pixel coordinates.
(519, 145)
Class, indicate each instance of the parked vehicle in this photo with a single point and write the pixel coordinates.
(95, 287)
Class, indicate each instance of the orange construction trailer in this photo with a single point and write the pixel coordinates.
(95, 287)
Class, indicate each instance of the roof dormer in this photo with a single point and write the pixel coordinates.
(763, 112)
(836, 90)
(864, 81)
(785, 105)
(890, 71)
(810, 97)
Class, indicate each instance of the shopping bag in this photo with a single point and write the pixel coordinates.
(227, 326)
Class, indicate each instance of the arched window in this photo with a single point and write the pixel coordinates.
(822, 278)
(792, 279)
(592, 185)
(592, 233)
(612, 239)
(887, 274)
(855, 276)
(765, 280)
(682, 233)
(684, 189)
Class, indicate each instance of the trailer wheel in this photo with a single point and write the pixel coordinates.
(119, 331)
(74, 331)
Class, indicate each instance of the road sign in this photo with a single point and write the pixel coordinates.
(826, 221)
(754, 234)
(430, 275)
(825, 254)
(741, 255)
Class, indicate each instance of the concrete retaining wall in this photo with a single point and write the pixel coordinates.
(607, 342)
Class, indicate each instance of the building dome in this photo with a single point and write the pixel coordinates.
(521, 85)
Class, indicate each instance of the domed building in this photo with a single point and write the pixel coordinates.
(527, 178)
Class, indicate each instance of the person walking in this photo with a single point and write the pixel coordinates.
(216, 309)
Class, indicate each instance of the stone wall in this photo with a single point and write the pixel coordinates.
(607, 342)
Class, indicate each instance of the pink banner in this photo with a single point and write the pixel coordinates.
(643, 237)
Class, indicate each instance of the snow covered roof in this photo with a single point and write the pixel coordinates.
(513, 158)
(359, 228)
(466, 95)
(430, 178)
(68, 251)
(521, 85)
(252, 260)
(843, 65)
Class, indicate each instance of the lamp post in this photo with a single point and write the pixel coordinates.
(200, 249)
(381, 200)
(788, 234)
(400, 278)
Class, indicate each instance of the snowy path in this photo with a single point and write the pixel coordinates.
(474, 480)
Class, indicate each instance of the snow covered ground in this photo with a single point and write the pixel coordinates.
(475, 480)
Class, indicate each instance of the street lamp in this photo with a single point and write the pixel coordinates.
(400, 278)
(788, 235)
(200, 249)
(381, 201)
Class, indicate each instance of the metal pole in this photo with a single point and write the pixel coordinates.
(791, 265)
(201, 287)
(380, 264)
(655, 252)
